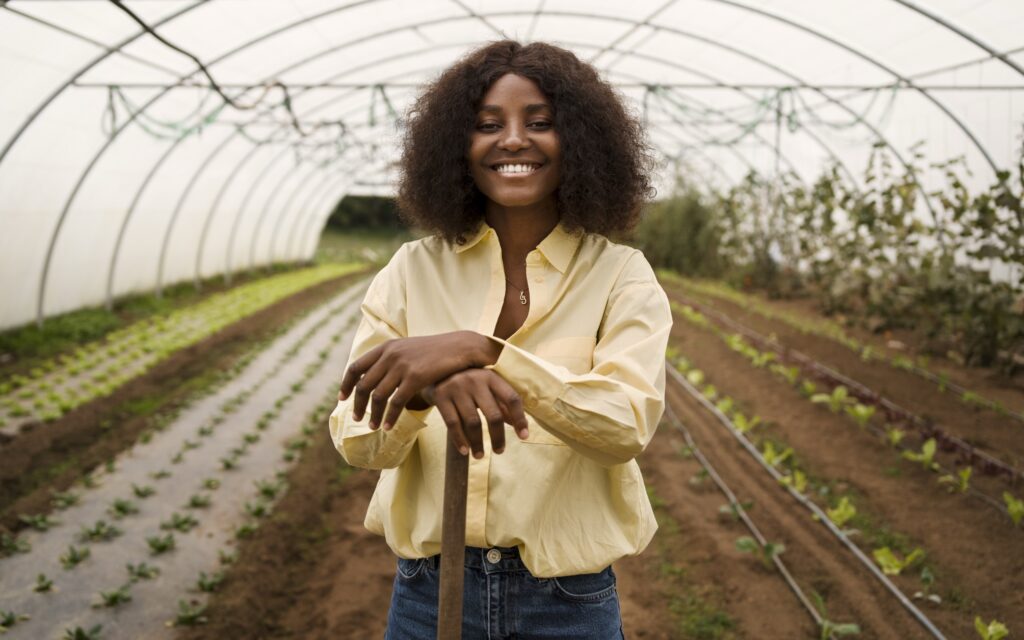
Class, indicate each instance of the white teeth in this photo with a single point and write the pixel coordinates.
(515, 168)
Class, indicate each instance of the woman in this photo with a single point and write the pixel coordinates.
(520, 159)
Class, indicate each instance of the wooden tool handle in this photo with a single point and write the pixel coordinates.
(453, 544)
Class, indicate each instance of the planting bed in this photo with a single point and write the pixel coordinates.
(206, 479)
(971, 550)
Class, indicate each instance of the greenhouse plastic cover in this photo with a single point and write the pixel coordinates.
(122, 171)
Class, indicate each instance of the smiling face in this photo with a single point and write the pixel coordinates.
(514, 153)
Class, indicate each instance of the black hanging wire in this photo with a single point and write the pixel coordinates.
(286, 102)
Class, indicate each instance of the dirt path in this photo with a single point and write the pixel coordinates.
(314, 572)
(977, 555)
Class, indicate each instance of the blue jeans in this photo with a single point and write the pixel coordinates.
(502, 600)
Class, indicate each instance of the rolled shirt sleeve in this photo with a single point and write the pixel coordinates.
(383, 319)
(610, 413)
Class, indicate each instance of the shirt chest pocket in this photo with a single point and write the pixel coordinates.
(575, 353)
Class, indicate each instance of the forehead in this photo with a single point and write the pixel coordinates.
(512, 90)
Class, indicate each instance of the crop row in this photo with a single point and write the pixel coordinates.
(95, 370)
(861, 405)
(781, 462)
(824, 328)
(182, 515)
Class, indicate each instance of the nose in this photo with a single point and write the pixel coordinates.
(515, 137)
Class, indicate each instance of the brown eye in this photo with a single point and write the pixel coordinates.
(487, 126)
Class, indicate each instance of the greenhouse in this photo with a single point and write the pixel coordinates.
(197, 196)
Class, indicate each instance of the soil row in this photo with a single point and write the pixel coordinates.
(50, 457)
(975, 553)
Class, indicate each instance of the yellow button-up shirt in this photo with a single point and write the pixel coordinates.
(589, 366)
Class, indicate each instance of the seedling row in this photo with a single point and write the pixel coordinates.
(98, 368)
(190, 497)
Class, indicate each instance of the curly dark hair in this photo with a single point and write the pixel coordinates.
(606, 159)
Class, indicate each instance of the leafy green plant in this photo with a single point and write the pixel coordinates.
(209, 583)
(142, 492)
(74, 556)
(189, 614)
(78, 633)
(8, 619)
(115, 597)
(734, 509)
(141, 571)
(766, 553)
(160, 544)
(959, 483)
(39, 522)
(773, 457)
(743, 424)
(198, 501)
(121, 508)
(1014, 506)
(891, 564)
(64, 499)
(927, 580)
(842, 513)
(994, 630)
(860, 413)
(179, 522)
(99, 532)
(835, 401)
(11, 544)
(894, 435)
(925, 456)
(828, 627)
(797, 480)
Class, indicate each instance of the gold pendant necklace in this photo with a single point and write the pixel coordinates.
(522, 294)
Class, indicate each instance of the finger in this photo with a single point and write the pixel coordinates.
(364, 388)
(399, 398)
(450, 415)
(495, 420)
(356, 369)
(514, 412)
(380, 395)
(466, 407)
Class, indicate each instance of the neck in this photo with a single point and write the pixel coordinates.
(520, 229)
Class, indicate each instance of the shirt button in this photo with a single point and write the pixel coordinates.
(494, 556)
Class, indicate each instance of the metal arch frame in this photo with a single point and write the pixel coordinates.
(582, 46)
(871, 60)
(78, 74)
(242, 207)
(991, 51)
(177, 209)
(354, 70)
(473, 15)
(114, 135)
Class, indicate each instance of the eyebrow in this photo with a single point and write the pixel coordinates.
(530, 108)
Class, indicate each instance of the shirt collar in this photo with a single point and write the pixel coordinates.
(557, 247)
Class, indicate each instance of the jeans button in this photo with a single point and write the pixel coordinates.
(494, 556)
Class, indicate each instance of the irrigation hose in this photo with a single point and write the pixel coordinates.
(808, 362)
(814, 508)
(738, 508)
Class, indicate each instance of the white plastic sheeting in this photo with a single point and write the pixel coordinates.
(121, 171)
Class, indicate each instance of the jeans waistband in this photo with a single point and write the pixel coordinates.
(488, 559)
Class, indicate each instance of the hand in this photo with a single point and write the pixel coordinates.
(400, 368)
(458, 397)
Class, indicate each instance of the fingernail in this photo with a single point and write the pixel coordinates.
(386, 425)
(373, 425)
(478, 455)
(502, 450)
(524, 433)
(463, 450)
(342, 395)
